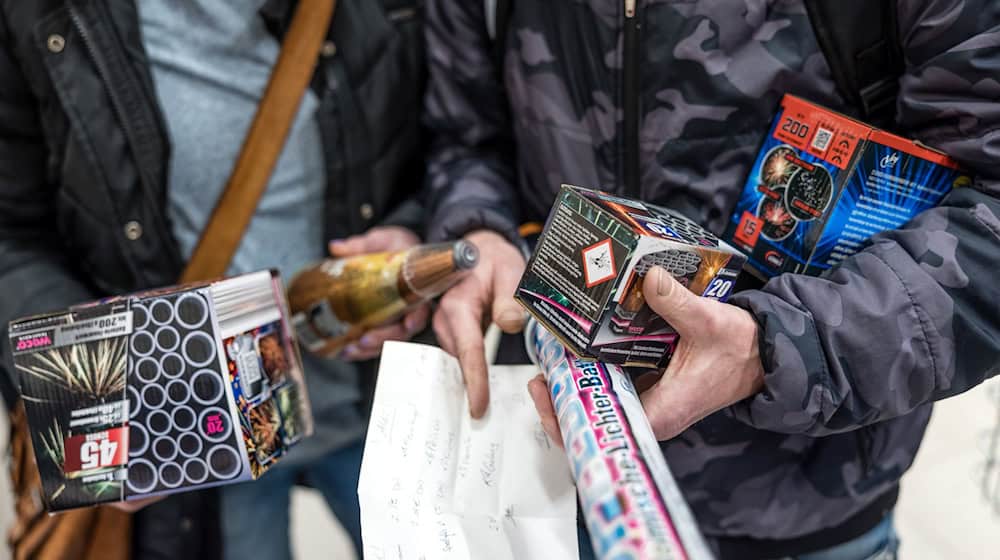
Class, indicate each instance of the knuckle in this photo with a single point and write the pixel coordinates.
(470, 351)
(450, 304)
(712, 322)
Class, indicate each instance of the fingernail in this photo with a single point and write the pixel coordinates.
(410, 324)
(662, 282)
(475, 410)
(349, 351)
(367, 340)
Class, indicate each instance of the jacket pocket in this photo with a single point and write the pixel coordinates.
(886, 449)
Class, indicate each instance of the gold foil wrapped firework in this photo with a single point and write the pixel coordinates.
(338, 300)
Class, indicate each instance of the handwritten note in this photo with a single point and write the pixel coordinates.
(436, 484)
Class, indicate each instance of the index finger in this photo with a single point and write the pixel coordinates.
(353, 245)
(468, 335)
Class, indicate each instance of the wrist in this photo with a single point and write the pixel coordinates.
(752, 377)
(744, 301)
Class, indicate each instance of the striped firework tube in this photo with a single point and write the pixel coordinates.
(631, 504)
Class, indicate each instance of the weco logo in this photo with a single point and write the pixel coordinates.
(33, 341)
(889, 160)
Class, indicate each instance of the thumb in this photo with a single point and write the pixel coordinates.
(539, 392)
(682, 310)
(507, 313)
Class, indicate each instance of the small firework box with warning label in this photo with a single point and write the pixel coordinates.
(824, 183)
(161, 392)
(584, 280)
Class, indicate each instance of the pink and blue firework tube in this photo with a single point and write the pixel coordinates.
(631, 503)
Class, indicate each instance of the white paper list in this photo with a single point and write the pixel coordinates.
(436, 484)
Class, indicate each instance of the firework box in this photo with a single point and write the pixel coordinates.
(823, 184)
(584, 279)
(161, 392)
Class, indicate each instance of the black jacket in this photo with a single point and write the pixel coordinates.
(83, 165)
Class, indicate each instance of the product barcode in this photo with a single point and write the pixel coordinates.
(822, 139)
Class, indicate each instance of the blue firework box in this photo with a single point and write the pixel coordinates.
(823, 184)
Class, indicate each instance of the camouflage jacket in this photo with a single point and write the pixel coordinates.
(853, 359)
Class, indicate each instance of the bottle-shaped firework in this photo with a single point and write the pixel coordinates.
(336, 301)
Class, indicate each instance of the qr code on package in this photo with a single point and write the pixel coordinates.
(822, 139)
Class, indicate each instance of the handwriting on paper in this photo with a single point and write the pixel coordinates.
(437, 484)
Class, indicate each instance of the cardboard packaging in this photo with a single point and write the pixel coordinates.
(824, 183)
(584, 280)
(162, 391)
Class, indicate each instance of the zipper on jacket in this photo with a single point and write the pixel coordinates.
(116, 107)
(112, 94)
(101, 70)
(630, 94)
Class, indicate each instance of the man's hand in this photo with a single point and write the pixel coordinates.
(715, 365)
(377, 240)
(716, 362)
(539, 391)
(487, 293)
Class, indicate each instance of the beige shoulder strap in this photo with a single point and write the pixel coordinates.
(264, 142)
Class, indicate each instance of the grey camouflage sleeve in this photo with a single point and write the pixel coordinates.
(470, 182)
(915, 317)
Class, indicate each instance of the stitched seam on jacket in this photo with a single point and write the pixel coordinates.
(826, 379)
(917, 310)
(990, 227)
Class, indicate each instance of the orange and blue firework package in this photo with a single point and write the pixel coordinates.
(823, 184)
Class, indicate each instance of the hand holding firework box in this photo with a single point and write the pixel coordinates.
(584, 280)
(161, 392)
(824, 183)
(630, 501)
